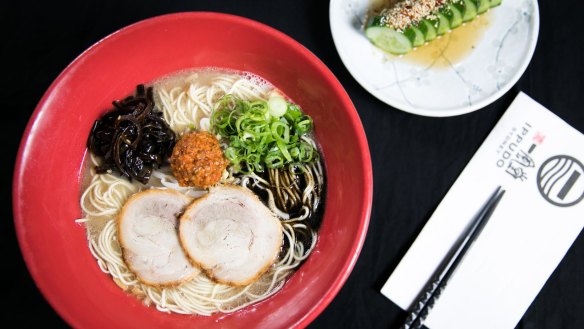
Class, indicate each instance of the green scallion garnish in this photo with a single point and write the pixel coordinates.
(259, 136)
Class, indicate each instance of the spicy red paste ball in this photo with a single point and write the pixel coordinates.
(197, 160)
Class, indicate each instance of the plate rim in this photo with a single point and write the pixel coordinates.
(455, 111)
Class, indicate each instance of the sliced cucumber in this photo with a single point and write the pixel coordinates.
(469, 10)
(448, 16)
(454, 16)
(482, 6)
(427, 27)
(415, 35)
(388, 39)
(495, 3)
(443, 24)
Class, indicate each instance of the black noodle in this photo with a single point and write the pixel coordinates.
(132, 138)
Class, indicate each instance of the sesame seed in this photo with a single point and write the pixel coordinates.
(409, 12)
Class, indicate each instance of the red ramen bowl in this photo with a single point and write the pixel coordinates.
(48, 170)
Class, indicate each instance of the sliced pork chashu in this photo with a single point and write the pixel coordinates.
(148, 234)
(231, 235)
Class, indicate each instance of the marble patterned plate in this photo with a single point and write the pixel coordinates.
(465, 70)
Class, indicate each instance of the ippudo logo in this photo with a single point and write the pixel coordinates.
(560, 180)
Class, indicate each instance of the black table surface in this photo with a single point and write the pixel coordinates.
(415, 159)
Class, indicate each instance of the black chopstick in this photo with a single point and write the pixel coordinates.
(432, 291)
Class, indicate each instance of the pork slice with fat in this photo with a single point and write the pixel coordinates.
(147, 231)
(231, 235)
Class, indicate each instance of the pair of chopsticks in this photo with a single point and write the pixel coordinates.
(432, 291)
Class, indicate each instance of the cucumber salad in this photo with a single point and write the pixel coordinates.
(411, 23)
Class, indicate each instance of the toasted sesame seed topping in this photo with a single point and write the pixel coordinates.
(408, 12)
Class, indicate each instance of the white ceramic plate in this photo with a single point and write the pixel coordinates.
(441, 80)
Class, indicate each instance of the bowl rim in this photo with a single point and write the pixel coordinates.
(36, 117)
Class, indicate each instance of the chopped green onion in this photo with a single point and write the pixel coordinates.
(278, 106)
(303, 124)
(262, 134)
(274, 160)
(281, 131)
(284, 151)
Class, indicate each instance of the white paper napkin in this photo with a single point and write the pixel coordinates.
(537, 158)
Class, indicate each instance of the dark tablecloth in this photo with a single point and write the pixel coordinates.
(415, 159)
